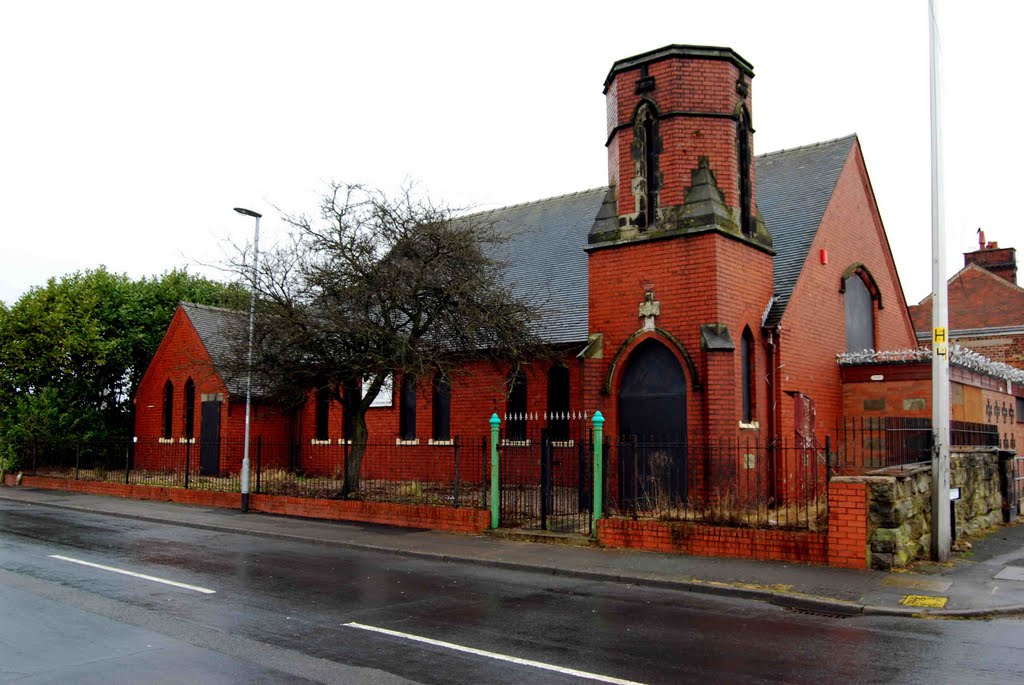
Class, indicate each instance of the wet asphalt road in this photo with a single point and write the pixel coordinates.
(280, 611)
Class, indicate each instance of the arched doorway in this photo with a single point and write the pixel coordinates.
(652, 429)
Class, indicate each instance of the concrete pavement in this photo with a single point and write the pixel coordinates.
(987, 581)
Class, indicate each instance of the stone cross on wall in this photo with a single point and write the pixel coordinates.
(649, 309)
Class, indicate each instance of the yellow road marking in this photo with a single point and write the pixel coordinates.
(924, 601)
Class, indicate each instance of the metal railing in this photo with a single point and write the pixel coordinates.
(445, 473)
(731, 481)
(868, 443)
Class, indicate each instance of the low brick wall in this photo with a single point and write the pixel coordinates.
(899, 505)
(713, 541)
(461, 520)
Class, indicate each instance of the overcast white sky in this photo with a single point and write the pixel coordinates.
(129, 130)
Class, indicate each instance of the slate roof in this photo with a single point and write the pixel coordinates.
(793, 189)
(545, 261)
(212, 324)
(546, 257)
(547, 265)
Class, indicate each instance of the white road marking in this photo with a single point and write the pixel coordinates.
(495, 655)
(135, 575)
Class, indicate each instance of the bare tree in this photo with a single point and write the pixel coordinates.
(376, 285)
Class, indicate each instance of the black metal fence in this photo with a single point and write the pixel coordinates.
(867, 443)
(733, 481)
(446, 473)
(546, 477)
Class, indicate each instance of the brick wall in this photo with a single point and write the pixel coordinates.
(813, 326)
(847, 523)
(459, 520)
(905, 389)
(713, 541)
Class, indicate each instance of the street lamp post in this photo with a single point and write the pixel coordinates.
(248, 379)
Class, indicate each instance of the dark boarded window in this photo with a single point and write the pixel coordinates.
(190, 408)
(407, 409)
(168, 409)
(646, 132)
(351, 396)
(323, 414)
(747, 375)
(860, 315)
(442, 409)
(743, 155)
(558, 402)
(515, 428)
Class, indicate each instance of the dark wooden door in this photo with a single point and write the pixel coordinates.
(652, 428)
(209, 439)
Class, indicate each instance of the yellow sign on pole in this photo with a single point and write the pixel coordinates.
(939, 335)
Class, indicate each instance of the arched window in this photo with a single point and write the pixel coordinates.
(558, 402)
(323, 414)
(168, 408)
(442, 407)
(190, 408)
(747, 375)
(515, 428)
(407, 409)
(859, 304)
(743, 134)
(645, 182)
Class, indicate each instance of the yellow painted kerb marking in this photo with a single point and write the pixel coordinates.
(924, 601)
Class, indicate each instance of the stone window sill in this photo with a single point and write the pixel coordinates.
(752, 426)
(448, 441)
(400, 441)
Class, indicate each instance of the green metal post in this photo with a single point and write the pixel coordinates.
(598, 469)
(495, 493)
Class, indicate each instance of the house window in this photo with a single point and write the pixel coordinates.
(515, 427)
(1020, 409)
(407, 409)
(558, 402)
(859, 304)
(747, 375)
(190, 408)
(323, 413)
(168, 408)
(442, 407)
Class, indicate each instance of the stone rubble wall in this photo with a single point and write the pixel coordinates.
(899, 505)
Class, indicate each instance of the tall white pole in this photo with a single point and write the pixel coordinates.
(248, 379)
(940, 529)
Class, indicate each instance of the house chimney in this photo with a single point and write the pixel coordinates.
(1001, 261)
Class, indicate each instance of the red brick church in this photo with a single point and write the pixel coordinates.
(705, 291)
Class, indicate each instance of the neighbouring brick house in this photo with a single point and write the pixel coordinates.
(703, 292)
(986, 306)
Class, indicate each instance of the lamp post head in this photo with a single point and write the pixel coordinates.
(248, 212)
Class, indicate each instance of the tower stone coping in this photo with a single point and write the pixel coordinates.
(682, 51)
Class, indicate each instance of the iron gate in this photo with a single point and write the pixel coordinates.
(546, 481)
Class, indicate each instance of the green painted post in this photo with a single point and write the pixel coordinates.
(598, 469)
(495, 493)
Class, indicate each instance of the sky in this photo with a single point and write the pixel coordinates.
(129, 130)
